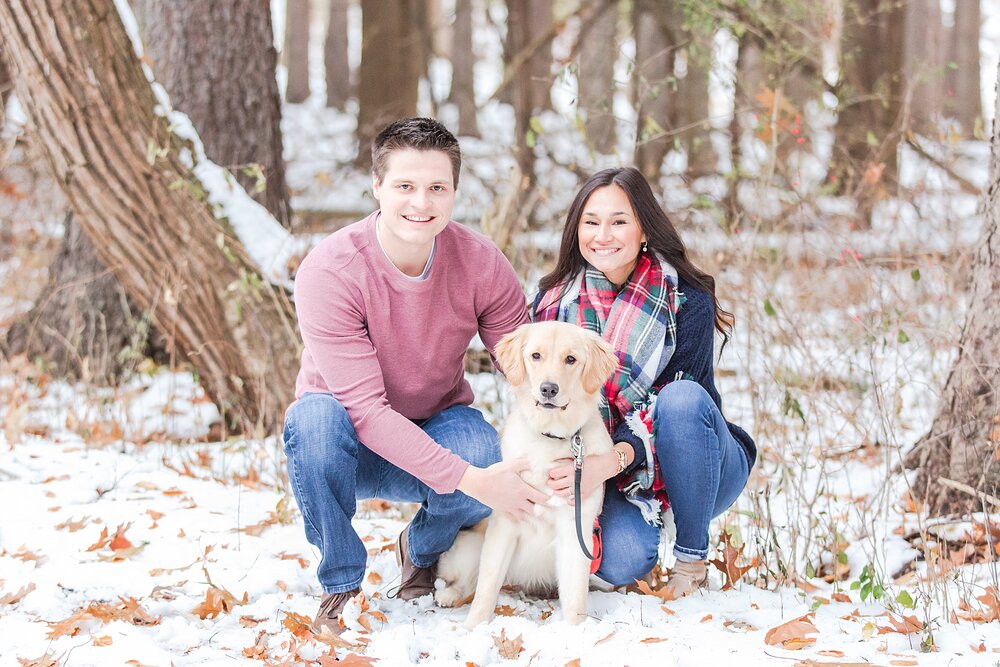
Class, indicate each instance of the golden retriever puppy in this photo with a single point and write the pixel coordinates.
(556, 371)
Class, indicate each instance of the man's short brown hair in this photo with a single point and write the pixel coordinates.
(422, 134)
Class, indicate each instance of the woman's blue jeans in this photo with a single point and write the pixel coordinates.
(330, 469)
(704, 470)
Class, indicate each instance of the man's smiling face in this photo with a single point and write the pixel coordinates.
(416, 196)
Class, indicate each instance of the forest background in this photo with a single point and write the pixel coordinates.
(165, 165)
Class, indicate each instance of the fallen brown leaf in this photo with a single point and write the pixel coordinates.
(102, 641)
(508, 649)
(653, 640)
(907, 626)
(792, 635)
(14, 598)
(217, 601)
(47, 660)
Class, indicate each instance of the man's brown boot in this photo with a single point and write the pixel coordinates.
(686, 578)
(328, 617)
(414, 581)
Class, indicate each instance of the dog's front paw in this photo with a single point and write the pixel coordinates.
(449, 596)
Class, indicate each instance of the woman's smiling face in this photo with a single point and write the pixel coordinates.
(609, 234)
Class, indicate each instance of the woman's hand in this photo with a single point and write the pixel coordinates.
(597, 469)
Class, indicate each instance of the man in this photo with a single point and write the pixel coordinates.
(387, 307)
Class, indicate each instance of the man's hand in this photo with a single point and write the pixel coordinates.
(501, 488)
(597, 469)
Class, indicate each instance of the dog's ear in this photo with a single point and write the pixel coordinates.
(601, 363)
(510, 355)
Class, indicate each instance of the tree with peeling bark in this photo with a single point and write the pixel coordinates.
(129, 179)
(959, 459)
(84, 325)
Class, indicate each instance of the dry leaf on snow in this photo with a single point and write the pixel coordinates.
(907, 626)
(14, 598)
(727, 563)
(508, 649)
(47, 660)
(217, 601)
(792, 635)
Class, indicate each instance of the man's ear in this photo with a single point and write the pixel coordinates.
(376, 186)
(510, 355)
(601, 363)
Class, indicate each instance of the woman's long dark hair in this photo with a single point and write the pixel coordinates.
(661, 236)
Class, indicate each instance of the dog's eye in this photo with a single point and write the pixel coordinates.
(570, 360)
(536, 356)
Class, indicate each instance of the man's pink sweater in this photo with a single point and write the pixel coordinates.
(391, 348)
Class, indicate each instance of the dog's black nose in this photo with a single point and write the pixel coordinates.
(549, 390)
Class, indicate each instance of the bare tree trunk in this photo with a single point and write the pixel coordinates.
(540, 18)
(6, 85)
(119, 165)
(216, 61)
(924, 64)
(596, 76)
(689, 110)
(869, 121)
(338, 71)
(653, 77)
(522, 90)
(964, 101)
(463, 59)
(964, 438)
(390, 69)
(296, 50)
(84, 325)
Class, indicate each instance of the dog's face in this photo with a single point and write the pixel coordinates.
(556, 363)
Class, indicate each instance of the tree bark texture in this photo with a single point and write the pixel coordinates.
(463, 61)
(338, 70)
(596, 78)
(652, 81)
(964, 438)
(963, 95)
(296, 50)
(390, 68)
(216, 61)
(122, 170)
(6, 85)
(519, 38)
(84, 325)
(689, 119)
(540, 19)
(870, 102)
(924, 64)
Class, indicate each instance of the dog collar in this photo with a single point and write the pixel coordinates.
(554, 437)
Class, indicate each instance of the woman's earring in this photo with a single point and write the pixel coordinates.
(644, 246)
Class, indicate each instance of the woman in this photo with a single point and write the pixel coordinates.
(623, 272)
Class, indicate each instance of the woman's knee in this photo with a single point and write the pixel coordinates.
(682, 400)
(623, 566)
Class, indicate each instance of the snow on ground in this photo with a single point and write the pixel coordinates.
(188, 552)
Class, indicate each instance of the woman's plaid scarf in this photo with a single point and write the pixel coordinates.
(639, 320)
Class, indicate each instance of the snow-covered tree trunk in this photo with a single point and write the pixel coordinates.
(338, 70)
(217, 62)
(296, 51)
(130, 182)
(963, 444)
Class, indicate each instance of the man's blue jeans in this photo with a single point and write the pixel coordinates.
(704, 470)
(329, 470)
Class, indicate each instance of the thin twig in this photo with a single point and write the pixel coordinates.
(965, 488)
(967, 186)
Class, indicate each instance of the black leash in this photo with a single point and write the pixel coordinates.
(576, 446)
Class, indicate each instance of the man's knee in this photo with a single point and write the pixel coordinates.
(317, 428)
(470, 436)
